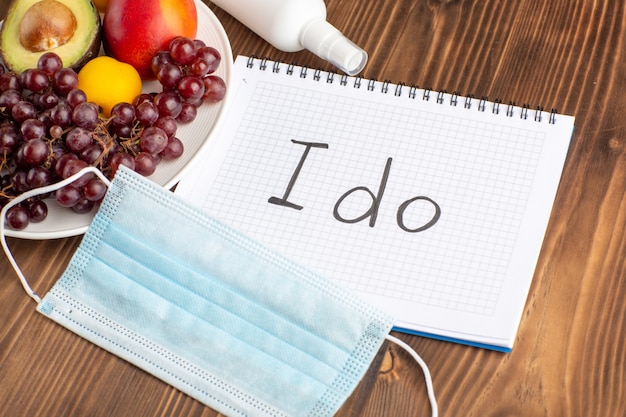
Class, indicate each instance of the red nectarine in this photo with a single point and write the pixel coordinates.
(136, 30)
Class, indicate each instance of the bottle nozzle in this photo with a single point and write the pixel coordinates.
(325, 41)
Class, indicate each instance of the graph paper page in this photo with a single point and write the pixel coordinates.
(431, 206)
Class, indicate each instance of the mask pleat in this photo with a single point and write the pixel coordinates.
(207, 297)
(215, 250)
(238, 325)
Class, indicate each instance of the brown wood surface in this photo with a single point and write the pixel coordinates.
(569, 357)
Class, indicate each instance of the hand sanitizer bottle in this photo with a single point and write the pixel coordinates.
(293, 25)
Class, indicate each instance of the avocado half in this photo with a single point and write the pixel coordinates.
(69, 28)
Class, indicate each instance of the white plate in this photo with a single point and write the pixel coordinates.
(63, 222)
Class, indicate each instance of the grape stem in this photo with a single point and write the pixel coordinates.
(3, 163)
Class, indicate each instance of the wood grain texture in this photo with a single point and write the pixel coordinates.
(568, 359)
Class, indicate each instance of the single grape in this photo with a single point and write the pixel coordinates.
(83, 206)
(38, 176)
(55, 131)
(121, 158)
(190, 88)
(182, 50)
(78, 139)
(61, 115)
(215, 89)
(188, 113)
(68, 196)
(9, 81)
(168, 103)
(158, 60)
(76, 97)
(10, 98)
(35, 151)
(91, 153)
(145, 163)
(17, 217)
(120, 131)
(61, 161)
(23, 110)
(146, 113)
(94, 189)
(173, 150)
(9, 139)
(34, 79)
(49, 63)
(73, 166)
(153, 140)
(169, 75)
(211, 56)
(64, 80)
(85, 115)
(37, 210)
(19, 181)
(32, 129)
(48, 100)
(168, 124)
(199, 67)
(123, 114)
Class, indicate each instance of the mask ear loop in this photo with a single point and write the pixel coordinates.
(32, 193)
(422, 364)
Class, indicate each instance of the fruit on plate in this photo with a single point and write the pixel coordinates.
(107, 82)
(49, 129)
(134, 31)
(70, 28)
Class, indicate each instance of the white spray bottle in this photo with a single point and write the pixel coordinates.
(293, 25)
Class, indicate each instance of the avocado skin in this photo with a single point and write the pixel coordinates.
(17, 58)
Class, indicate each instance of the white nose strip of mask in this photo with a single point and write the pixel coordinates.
(209, 311)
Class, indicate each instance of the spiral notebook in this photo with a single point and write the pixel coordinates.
(431, 205)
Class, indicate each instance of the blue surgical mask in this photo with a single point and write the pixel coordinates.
(211, 312)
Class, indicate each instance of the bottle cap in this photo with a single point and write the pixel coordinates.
(327, 42)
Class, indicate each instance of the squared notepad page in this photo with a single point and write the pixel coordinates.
(429, 205)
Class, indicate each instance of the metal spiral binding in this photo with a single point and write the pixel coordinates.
(398, 91)
(385, 87)
(482, 104)
(496, 106)
(399, 88)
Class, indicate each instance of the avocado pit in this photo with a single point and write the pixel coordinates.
(46, 25)
(30, 28)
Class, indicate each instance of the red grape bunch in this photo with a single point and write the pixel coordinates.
(185, 70)
(49, 131)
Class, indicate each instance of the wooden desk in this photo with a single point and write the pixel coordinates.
(569, 358)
